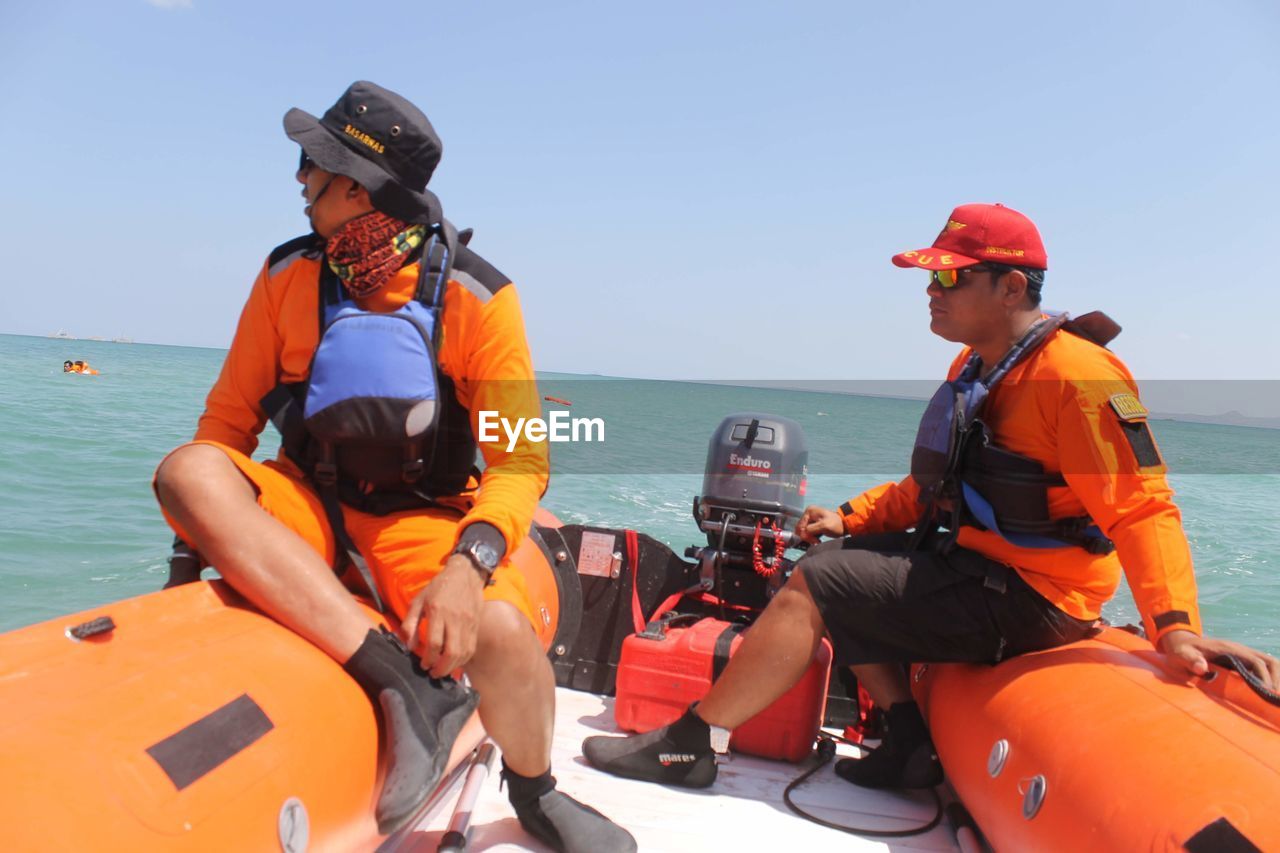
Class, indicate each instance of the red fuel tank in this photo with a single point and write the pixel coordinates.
(669, 666)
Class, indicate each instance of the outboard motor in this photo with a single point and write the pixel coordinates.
(753, 491)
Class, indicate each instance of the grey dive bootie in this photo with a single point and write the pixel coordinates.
(559, 821)
(421, 718)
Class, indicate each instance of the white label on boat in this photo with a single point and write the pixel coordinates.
(595, 555)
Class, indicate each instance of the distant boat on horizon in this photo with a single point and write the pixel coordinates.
(63, 334)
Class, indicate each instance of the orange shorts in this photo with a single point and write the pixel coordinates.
(404, 550)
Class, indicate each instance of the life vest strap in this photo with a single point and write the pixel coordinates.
(285, 413)
(325, 469)
(1056, 533)
(333, 510)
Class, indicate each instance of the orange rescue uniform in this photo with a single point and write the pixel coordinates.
(483, 350)
(1059, 407)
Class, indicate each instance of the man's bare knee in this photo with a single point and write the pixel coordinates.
(195, 467)
(794, 602)
(504, 631)
(796, 592)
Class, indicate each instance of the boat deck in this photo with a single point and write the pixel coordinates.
(744, 810)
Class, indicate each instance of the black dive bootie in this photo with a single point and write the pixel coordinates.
(678, 754)
(559, 821)
(421, 718)
(906, 758)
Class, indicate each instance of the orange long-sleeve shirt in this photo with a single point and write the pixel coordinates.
(1066, 407)
(483, 349)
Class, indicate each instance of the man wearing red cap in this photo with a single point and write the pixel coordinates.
(1034, 479)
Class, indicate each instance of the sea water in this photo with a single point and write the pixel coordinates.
(79, 525)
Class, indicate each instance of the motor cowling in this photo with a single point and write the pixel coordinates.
(753, 486)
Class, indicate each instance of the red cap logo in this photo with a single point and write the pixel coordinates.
(981, 232)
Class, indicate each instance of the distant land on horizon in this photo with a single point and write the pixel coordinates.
(921, 390)
(1225, 419)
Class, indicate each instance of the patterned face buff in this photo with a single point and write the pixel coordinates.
(370, 249)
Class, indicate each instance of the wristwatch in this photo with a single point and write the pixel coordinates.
(483, 556)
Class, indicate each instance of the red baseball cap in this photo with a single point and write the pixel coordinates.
(981, 232)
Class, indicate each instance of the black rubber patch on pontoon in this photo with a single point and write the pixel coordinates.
(1220, 837)
(92, 628)
(187, 755)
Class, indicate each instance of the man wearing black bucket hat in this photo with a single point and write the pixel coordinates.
(1034, 484)
(393, 167)
(378, 420)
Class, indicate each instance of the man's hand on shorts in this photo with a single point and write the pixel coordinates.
(443, 619)
(818, 521)
(1193, 653)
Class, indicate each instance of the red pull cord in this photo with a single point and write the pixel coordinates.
(779, 548)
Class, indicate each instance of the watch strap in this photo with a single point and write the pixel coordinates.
(482, 531)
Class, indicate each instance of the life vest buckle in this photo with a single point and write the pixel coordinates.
(325, 473)
(1099, 545)
(411, 472)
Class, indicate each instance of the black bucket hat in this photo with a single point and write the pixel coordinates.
(381, 141)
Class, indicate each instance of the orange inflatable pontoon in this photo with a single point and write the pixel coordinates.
(1101, 746)
(189, 721)
(185, 720)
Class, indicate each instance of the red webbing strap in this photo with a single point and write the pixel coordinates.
(708, 598)
(637, 611)
(633, 557)
(668, 603)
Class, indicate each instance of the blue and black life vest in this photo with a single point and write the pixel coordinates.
(965, 478)
(376, 419)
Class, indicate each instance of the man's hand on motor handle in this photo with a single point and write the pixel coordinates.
(818, 521)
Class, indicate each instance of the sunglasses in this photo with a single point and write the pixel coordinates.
(305, 162)
(947, 279)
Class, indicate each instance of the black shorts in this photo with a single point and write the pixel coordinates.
(884, 604)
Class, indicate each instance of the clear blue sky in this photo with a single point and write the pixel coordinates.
(678, 189)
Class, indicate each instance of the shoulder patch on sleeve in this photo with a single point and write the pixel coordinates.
(1143, 444)
(476, 275)
(1132, 416)
(286, 253)
(1127, 407)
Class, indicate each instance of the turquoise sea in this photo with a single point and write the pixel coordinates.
(79, 526)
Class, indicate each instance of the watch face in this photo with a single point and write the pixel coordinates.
(485, 555)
